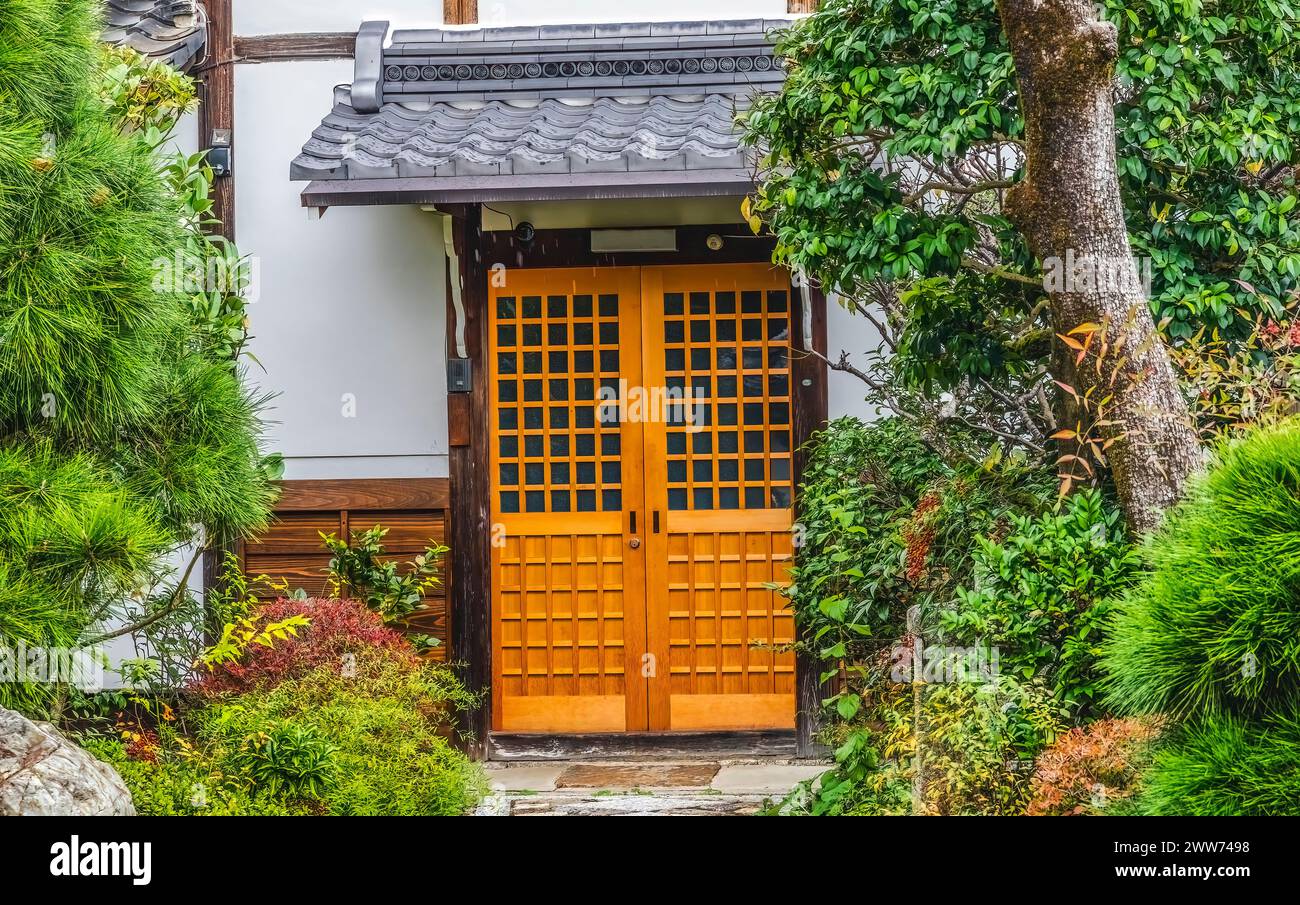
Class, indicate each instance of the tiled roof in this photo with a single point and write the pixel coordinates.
(169, 30)
(508, 138)
(550, 100)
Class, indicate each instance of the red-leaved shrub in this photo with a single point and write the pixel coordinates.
(341, 633)
(143, 745)
(1093, 769)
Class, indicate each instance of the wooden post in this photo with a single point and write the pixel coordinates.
(460, 12)
(216, 78)
(217, 103)
(810, 413)
(470, 607)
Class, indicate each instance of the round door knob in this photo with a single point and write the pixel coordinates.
(635, 543)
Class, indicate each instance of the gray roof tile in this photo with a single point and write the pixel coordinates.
(169, 30)
(628, 98)
(551, 136)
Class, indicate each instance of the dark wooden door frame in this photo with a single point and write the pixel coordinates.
(811, 411)
(469, 527)
(480, 254)
(216, 81)
(216, 76)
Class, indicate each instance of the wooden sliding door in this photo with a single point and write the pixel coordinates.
(641, 499)
(720, 493)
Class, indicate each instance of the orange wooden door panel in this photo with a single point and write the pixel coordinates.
(719, 485)
(568, 588)
(635, 544)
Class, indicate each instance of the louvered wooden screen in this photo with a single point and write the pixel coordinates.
(414, 511)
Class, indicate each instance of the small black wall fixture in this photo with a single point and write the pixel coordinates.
(460, 375)
(219, 155)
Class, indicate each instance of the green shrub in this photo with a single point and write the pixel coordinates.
(978, 743)
(1042, 593)
(1212, 637)
(333, 715)
(359, 570)
(860, 483)
(288, 760)
(1215, 628)
(181, 786)
(884, 525)
(363, 743)
(887, 526)
(383, 725)
(1227, 766)
(862, 783)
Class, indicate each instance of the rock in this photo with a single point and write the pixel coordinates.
(42, 774)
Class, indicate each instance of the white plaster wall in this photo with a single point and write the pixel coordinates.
(350, 307)
(273, 17)
(266, 17)
(547, 12)
(186, 137)
(854, 334)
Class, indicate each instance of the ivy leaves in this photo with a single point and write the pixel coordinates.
(1209, 107)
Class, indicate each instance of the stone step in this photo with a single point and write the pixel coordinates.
(600, 803)
(704, 788)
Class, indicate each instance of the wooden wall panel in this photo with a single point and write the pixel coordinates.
(291, 549)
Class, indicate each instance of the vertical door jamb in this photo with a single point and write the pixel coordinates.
(469, 526)
(808, 374)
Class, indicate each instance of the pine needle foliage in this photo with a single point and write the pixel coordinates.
(121, 438)
(1212, 637)
(1227, 767)
(1215, 629)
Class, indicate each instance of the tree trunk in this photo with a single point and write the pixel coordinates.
(1069, 210)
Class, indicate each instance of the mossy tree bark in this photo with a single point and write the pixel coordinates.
(1069, 209)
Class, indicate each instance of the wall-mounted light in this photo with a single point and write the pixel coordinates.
(219, 155)
(525, 233)
(714, 242)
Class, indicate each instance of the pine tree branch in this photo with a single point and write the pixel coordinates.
(168, 609)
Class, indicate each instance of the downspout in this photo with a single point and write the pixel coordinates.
(455, 280)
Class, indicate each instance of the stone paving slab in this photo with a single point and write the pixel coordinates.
(764, 779)
(663, 804)
(637, 776)
(525, 777)
(643, 788)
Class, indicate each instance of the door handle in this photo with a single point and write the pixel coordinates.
(635, 543)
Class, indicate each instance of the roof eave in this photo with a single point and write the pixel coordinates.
(433, 190)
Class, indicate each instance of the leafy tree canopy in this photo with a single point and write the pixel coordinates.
(899, 129)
